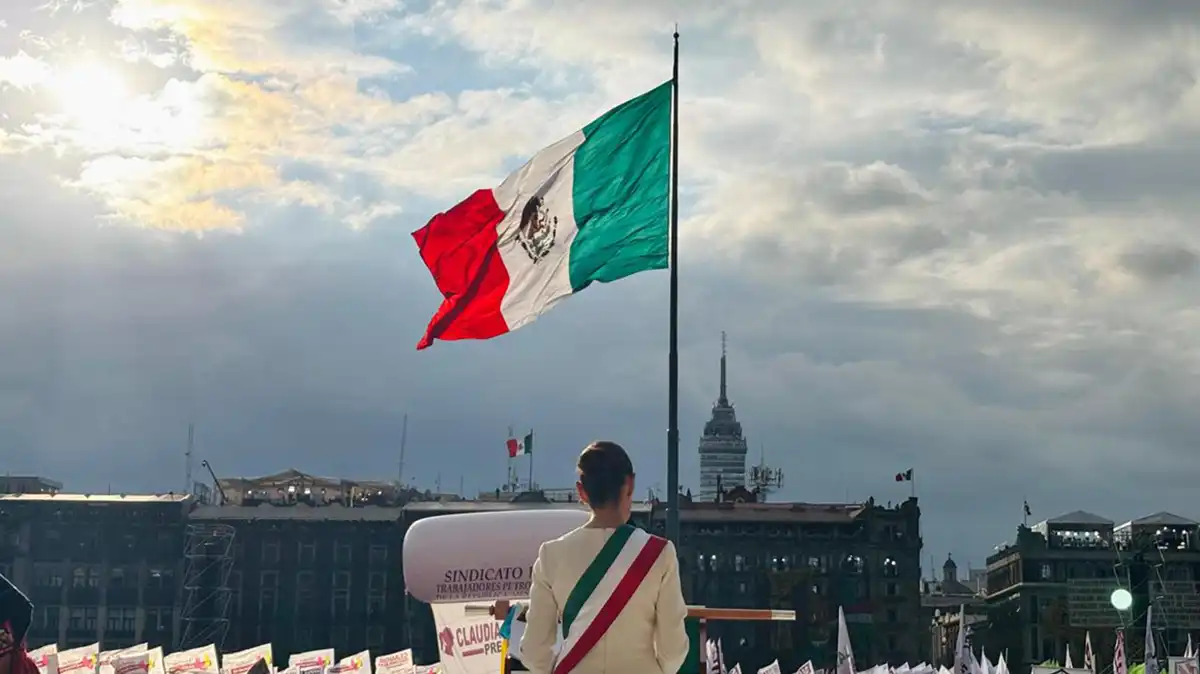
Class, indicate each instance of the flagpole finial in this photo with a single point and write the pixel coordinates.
(676, 35)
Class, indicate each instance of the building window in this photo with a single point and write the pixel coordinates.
(75, 621)
(374, 637)
(162, 579)
(379, 554)
(341, 606)
(853, 564)
(268, 602)
(121, 619)
(892, 617)
(305, 590)
(235, 591)
(377, 582)
(49, 616)
(307, 553)
(892, 645)
(79, 577)
(739, 563)
(376, 605)
(893, 590)
(270, 552)
(341, 638)
(341, 580)
(158, 618)
(116, 577)
(268, 593)
(891, 569)
(1047, 572)
(90, 615)
(342, 554)
(47, 575)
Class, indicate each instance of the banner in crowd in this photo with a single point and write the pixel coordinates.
(312, 662)
(467, 644)
(1184, 665)
(149, 661)
(359, 663)
(400, 662)
(201, 660)
(79, 660)
(105, 659)
(241, 662)
(140, 659)
(46, 659)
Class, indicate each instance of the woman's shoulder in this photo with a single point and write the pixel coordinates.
(592, 539)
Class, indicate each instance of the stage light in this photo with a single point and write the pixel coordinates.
(1121, 599)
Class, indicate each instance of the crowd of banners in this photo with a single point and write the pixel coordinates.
(141, 659)
(966, 662)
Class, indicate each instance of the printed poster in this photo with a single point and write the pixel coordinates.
(466, 644)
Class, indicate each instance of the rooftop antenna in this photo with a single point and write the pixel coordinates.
(187, 459)
(403, 444)
(763, 477)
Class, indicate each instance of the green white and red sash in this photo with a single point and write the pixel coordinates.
(603, 591)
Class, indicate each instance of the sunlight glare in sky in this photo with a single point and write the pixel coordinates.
(89, 92)
(98, 113)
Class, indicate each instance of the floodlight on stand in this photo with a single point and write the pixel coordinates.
(1121, 599)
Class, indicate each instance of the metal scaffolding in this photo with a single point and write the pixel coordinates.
(208, 563)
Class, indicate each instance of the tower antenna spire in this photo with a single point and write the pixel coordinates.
(723, 400)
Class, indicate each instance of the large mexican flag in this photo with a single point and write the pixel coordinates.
(592, 207)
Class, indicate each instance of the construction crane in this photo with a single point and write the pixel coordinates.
(216, 482)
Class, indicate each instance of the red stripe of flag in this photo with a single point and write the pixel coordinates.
(459, 248)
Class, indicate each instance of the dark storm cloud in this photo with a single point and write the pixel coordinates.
(1156, 263)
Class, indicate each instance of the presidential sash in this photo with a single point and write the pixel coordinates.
(603, 591)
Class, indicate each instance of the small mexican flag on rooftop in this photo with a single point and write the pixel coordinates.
(521, 447)
(592, 207)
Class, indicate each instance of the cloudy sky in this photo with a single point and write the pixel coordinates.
(954, 236)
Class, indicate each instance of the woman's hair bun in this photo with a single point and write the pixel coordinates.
(603, 468)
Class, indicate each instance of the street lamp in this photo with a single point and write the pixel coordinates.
(1121, 599)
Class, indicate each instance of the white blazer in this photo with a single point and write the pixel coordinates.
(648, 637)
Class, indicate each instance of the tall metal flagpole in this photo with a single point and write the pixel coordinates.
(529, 455)
(673, 338)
